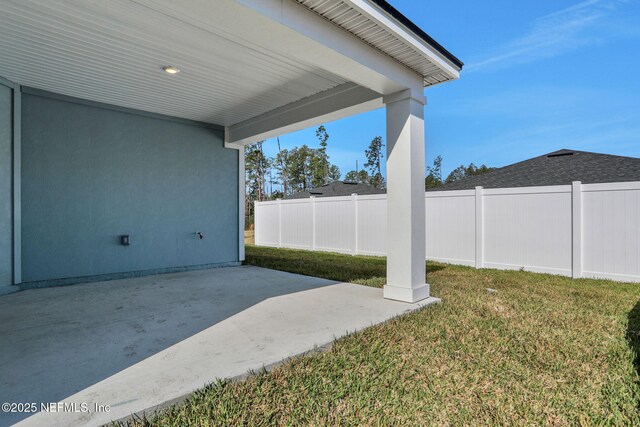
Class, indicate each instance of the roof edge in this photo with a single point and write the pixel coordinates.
(398, 16)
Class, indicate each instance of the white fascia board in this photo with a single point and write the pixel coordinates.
(381, 18)
(320, 43)
(342, 101)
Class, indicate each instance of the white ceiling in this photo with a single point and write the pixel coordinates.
(112, 51)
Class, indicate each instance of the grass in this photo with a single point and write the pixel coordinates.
(541, 349)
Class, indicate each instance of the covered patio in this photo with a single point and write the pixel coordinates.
(83, 82)
(138, 343)
(122, 134)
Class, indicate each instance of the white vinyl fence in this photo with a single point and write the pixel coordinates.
(578, 230)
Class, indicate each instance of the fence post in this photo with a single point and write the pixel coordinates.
(479, 227)
(255, 223)
(313, 222)
(279, 201)
(576, 229)
(354, 201)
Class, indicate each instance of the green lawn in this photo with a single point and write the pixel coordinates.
(541, 350)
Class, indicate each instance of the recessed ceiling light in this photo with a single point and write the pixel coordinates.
(170, 70)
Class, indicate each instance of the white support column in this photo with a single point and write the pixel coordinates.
(479, 228)
(406, 228)
(576, 222)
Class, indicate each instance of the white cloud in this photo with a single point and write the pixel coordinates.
(554, 34)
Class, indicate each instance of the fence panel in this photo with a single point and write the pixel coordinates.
(372, 225)
(450, 217)
(590, 230)
(267, 224)
(528, 228)
(335, 224)
(611, 231)
(298, 232)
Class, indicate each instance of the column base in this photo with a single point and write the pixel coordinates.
(403, 294)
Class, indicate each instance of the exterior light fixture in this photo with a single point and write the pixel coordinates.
(170, 69)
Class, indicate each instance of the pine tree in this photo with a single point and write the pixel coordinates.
(374, 160)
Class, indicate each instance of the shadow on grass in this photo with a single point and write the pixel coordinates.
(364, 270)
(633, 336)
(432, 268)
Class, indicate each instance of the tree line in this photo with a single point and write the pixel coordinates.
(434, 173)
(302, 168)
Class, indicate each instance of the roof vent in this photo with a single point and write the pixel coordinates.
(561, 154)
(315, 192)
(350, 183)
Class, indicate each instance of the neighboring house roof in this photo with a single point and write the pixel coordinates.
(337, 188)
(558, 168)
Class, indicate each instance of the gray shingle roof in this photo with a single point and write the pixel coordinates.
(558, 168)
(337, 188)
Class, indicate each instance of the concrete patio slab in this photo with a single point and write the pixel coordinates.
(137, 343)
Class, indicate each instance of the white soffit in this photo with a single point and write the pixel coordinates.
(390, 37)
(112, 52)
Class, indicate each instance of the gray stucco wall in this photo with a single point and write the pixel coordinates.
(91, 174)
(6, 198)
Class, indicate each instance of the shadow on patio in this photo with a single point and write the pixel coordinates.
(58, 341)
(136, 343)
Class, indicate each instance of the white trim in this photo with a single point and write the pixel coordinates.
(533, 269)
(295, 246)
(8, 83)
(336, 250)
(370, 253)
(403, 95)
(452, 193)
(231, 145)
(290, 201)
(528, 190)
(384, 20)
(315, 41)
(411, 294)
(612, 186)
(610, 276)
(330, 199)
(342, 101)
(455, 261)
(381, 196)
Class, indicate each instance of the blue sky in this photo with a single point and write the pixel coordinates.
(538, 76)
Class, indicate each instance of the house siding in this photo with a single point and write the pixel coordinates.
(91, 173)
(6, 181)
